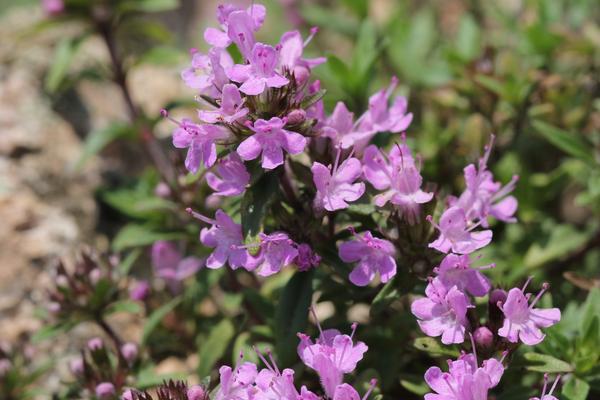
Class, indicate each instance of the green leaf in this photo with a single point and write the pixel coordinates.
(256, 201)
(132, 235)
(213, 349)
(563, 240)
(576, 389)
(147, 378)
(99, 139)
(125, 265)
(128, 306)
(468, 38)
(365, 53)
(63, 55)
(568, 142)
(384, 298)
(51, 331)
(291, 315)
(546, 363)
(431, 346)
(156, 318)
(415, 386)
(162, 55)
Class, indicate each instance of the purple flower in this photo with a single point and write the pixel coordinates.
(234, 383)
(465, 380)
(398, 177)
(339, 124)
(443, 312)
(200, 142)
(483, 197)
(380, 118)
(105, 390)
(238, 26)
(207, 72)
(456, 235)
(169, 264)
(260, 73)
(231, 109)
(292, 47)
(372, 254)
(276, 251)
(226, 237)
(347, 392)
(548, 396)
(95, 344)
(53, 7)
(77, 366)
(232, 177)
(130, 352)
(196, 392)
(456, 270)
(522, 321)
(306, 258)
(269, 139)
(335, 185)
(332, 356)
(139, 291)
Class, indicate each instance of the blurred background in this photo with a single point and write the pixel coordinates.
(80, 94)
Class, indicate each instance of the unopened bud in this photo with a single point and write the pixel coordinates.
(301, 74)
(76, 366)
(162, 190)
(497, 295)
(105, 390)
(62, 281)
(196, 392)
(484, 338)
(296, 117)
(213, 202)
(53, 307)
(127, 395)
(95, 344)
(129, 352)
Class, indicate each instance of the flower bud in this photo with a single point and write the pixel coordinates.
(301, 74)
(484, 338)
(53, 7)
(95, 276)
(497, 295)
(296, 117)
(196, 392)
(105, 390)
(95, 344)
(53, 307)
(76, 366)
(127, 395)
(162, 190)
(62, 282)
(213, 202)
(129, 352)
(139, 291)
(5, 366)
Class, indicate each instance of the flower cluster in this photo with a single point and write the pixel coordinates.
(448, 308)
(331, 355)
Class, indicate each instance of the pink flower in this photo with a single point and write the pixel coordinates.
(238, 26)
(276, 251)
(339, 124)
(292, 47)
(232, 177)
(260, 73)
(269, 139)
(398, 176)
(372, 254)
(335, 187)
(443, 312)
(207, 72)
(456, 235)
(170, 265)
(200, 142)
(332, 356)
(465, 379)
(522, 321)
(226, 237)
(139, 291)
(231, 109)
(347, 392)
(456, 270)
(234, 384)
(483, 197)
(105, 390)
(380, 118)
(53, 7)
